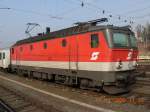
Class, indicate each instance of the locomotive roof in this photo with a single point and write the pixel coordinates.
(68, 32)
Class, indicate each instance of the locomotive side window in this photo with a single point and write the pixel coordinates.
(31, 47)
(12, 50)
(21, 49)
(45, 45)
(64, 43)
(94, 41)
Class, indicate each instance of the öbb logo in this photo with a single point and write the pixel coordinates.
(95, 56)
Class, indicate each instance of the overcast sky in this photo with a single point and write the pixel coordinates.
(63, 13)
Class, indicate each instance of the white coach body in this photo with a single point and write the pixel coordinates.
(4, 58)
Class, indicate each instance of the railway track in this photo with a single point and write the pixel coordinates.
(4, 107)
(126, 99)
(144, 66)
(141, 89)
(143, 81)
(12, 102)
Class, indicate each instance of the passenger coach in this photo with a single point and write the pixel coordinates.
(4, 58)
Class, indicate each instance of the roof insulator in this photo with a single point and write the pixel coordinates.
(110, 16)
(82, 4)
(125, 21)
(103, 11)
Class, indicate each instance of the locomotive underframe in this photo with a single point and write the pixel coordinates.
(119, 81)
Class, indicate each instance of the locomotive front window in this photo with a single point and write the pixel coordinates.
(94, 41)
(120, 40)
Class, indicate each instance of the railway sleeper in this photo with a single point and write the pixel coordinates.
(21, 107)
(13, 99)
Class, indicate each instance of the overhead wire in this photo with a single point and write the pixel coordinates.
(110, 14)
(36, 13)
(142, 16)
(136, 10)
(32, 12)
(127, 19)
(58, 17)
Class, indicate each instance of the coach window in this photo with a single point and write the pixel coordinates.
(64, 43)
(0, 56)
(3, 55)
(31, 47)
(45, 45)
(94, 41)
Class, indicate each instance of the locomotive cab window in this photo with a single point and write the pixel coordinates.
(64, 43)
(94, 41)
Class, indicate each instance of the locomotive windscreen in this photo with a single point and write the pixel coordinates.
(121, 39)
(133, 41)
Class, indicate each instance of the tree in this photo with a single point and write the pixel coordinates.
(139, 30)
(143, 34)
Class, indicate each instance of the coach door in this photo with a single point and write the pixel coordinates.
(2, 59)
(73, 54)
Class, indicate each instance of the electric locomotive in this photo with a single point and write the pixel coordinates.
(88, 55)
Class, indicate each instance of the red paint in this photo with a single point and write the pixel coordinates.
(78, 49)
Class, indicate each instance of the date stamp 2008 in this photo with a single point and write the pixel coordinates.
(121, 100)
(138, 101)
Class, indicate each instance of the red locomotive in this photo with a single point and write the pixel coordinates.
(88, 55)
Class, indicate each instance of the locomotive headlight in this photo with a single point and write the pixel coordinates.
(119, 64)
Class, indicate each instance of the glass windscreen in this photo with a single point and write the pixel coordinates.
(133, 41)
(120, 40)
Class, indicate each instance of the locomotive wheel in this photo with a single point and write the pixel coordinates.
(85, 83)
(113, 90)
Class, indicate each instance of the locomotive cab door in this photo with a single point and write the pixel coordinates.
(73, 55)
